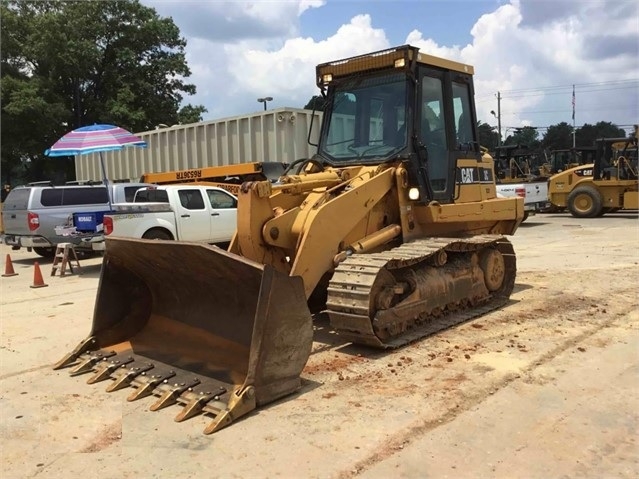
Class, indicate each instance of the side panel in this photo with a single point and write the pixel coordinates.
(561, 184)
(631, 200)
(274, 135)
(134, 225)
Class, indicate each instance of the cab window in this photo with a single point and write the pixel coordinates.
(219, 199)
(463, 117)
(191, 199)
(433, 131)
(151, 195)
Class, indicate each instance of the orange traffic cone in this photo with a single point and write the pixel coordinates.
(8, 267)
(38, 282)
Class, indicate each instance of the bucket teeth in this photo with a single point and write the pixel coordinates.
(89, 344)
(86, 365)
(124, 380)
(171, 396)
(240, 403)
(196, 406)
(221, 421)
(104, 369)
(149, 385)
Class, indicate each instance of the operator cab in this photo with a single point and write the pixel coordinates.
(616, 158)
(400, 105)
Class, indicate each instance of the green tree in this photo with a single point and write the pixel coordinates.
(488, 137)
(587, 134)
(317, 103)
(67, 64)
(558, 137)
(526, 135)
(191, 114)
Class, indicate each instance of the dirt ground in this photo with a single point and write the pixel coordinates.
(547, 386)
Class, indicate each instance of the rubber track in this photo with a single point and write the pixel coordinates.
(349, 290)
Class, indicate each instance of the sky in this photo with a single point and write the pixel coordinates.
(530, 51)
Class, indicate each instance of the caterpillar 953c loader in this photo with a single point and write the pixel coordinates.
(393, 227)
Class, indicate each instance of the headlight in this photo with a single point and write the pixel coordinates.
(413, 194)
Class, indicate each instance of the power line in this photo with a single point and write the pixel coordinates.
(555, 87)
(531, 95)
(607, 108)
(592, 87)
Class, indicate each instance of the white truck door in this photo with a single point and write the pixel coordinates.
(223, 215)
(192, 215)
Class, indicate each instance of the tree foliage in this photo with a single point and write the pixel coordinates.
(488, 137)
(67, 64)
(317, 103)
(558, 137)
(526, 135)
(587, 134)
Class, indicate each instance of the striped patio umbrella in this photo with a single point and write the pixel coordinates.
(95, 139)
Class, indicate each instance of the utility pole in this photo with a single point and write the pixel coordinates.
(498, 116)
(574, 131)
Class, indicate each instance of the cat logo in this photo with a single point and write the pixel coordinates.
(584, 172)
(467, 175)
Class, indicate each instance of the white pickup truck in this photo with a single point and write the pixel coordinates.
(176, 212)
(535, 195)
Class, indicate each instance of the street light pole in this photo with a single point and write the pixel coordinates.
(264, 100)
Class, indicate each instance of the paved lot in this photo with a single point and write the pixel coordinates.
(548, 386)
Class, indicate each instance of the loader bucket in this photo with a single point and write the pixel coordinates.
(195, 325)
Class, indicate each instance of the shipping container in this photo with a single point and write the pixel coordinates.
(274, 135)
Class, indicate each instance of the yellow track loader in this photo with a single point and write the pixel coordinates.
(393, 228)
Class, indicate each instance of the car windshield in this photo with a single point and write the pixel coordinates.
(367, 119)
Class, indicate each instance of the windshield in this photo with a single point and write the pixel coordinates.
(367, 119)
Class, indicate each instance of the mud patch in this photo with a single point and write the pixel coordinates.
(504, 361)
(105, 438)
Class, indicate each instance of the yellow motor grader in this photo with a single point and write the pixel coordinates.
(393, 228)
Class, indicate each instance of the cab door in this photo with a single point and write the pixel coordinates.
(192, 215)
(223, 215)
(446, 127)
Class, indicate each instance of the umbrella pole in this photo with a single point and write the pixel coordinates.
(105, 180)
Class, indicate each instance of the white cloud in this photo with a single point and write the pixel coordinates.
(229, 21)
(531, 45)
(559, 46)
(289, 71)
(307, 4)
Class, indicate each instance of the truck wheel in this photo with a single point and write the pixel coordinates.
(157, 235)
(44, 252)
(584, 202)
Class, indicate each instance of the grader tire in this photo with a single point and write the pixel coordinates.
(585, 202)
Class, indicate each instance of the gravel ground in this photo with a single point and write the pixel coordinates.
(547, 386)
